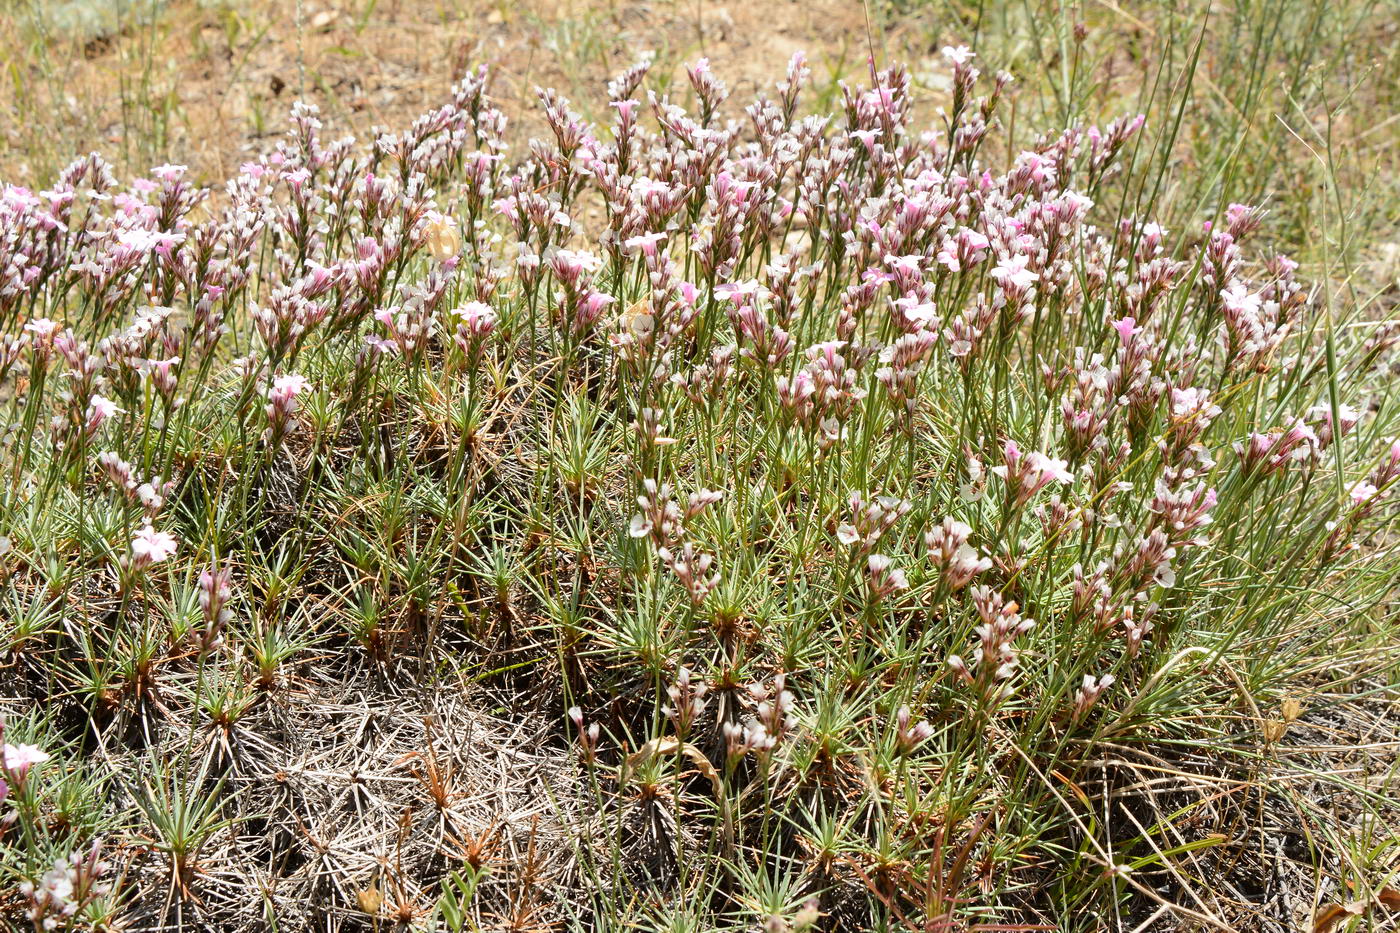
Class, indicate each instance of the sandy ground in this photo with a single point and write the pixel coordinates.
(223, 73)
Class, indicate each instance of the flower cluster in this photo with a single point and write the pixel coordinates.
(67, 889)
(879, 391)
(773, 720)
(995, 657)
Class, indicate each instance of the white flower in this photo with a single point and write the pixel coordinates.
(958, 55)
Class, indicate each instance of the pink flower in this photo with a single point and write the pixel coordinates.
(162, 373)
(42, 328)
(1011, 273)
(570, 265)
(883, 578)
(476, 321)
(1362, 492)
(626, 108)
(914, 315)
(1126, 328)
(290, 385)
(169, 172)
(644, 243)
(1050, 467)
(297, 177)
(20, 758)
(910, 266)
(587, 738)
(966, 249)
(1348, 418)
(379, 345)
(282, 400)
(739, 292)
(1027, 474)
(1088, 693)
(1241, 301)
(949, 551)
(909, 735)
(149, 546)
(99, 410)
(590, 309)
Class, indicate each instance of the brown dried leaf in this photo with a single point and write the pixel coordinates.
(1333, 914)
(670, 745)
